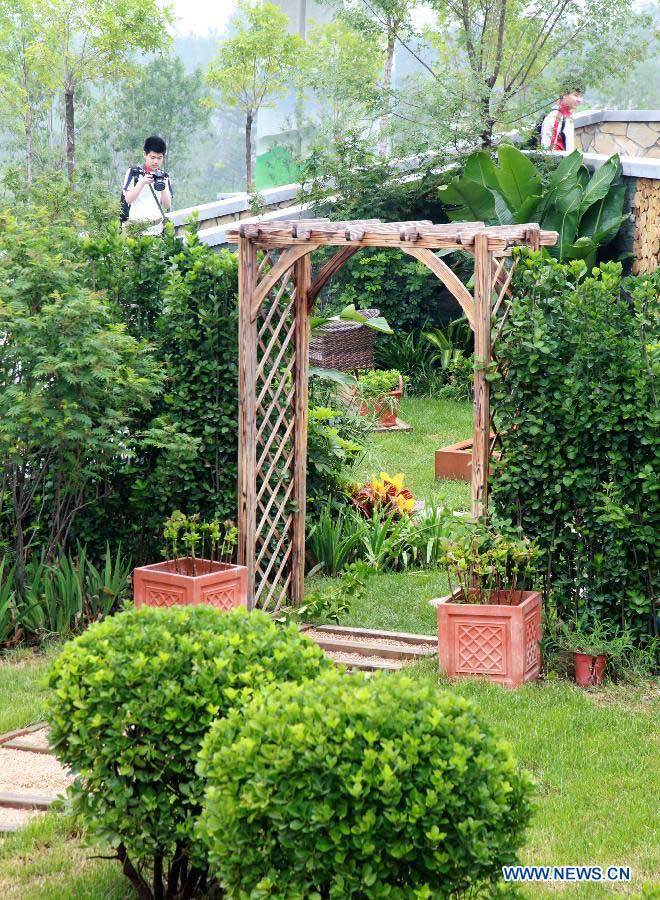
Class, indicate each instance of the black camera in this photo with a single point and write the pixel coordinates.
(159, 177)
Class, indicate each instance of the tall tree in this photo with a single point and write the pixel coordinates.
(27, 61)
(95, 38)
(388, 21)
(510, 57)
(255, 66)
(342, 68)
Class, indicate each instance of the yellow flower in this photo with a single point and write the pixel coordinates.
(397, 480)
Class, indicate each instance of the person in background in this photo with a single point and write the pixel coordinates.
(145, 198)
(557, 129)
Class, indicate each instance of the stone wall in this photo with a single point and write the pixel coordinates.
(645, 208)
(627, 132)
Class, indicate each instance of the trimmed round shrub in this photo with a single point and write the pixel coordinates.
(132, 700)
(347, 787)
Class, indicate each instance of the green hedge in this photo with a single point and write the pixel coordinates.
(344, 787)
(130, 703)
(579, 413)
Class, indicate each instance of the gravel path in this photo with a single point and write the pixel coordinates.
(31, 773)
(368, 641)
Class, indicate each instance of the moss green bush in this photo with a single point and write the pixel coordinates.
(344, 787)
(132, 700)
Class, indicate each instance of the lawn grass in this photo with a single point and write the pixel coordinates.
(435, 424)
(22, 692)
(594, 756)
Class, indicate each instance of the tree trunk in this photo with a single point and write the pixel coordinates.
(70, 134)
(384, 141)
(248, 152)
(29, 147)
(486, 135)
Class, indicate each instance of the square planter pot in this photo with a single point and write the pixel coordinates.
(455, 461)
(497, 640)
(218, 584)
(386, 416)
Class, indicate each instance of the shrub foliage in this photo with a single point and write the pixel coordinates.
(132, 699)
(352, 788)
(579, 413)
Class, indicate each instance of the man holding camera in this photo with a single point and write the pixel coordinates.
(147, 190)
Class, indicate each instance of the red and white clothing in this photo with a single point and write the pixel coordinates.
(558, 130)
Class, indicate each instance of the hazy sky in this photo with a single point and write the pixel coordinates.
(201, 15)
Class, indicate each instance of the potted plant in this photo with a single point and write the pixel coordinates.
(191, 578)
(379, 394)
(593, 644)
(489, 625)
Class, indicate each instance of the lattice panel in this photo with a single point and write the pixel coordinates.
(503, 272)
(275, 450)
(481, 648)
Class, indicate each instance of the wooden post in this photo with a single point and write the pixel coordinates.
(303, 281)
(247, 418)
(482, 352)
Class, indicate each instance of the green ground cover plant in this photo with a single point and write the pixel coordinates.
(578, 412)
(421, 800)
(131, 700)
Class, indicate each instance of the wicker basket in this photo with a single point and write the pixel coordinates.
(344, 345)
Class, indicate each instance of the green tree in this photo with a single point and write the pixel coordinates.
(342, 66)
(71, 379)
(27, 84)
(255, 66)
(509, 58)
(95, 38)
(387, 21)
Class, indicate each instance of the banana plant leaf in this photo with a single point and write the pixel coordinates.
(517, 177)
(480, 168)
(474, 201)
(600, 182)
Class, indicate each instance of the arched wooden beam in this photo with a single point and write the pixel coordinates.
(451, 281)
(328, 270)
(281, 267)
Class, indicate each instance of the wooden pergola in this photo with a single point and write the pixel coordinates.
(276, 296)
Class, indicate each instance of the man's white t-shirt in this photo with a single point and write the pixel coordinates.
(144, 208)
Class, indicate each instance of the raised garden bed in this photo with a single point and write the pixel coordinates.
(455, 461)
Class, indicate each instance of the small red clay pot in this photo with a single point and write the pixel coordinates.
(589, 670)
(386, 416)
(218, 584)
(498, 640)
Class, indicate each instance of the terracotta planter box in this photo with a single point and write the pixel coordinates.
(497, 640)
(455, 461)
(386, 417)
(218, 584)
(589, 670)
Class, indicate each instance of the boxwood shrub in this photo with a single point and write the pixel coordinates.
(344, 787)
(132, 700)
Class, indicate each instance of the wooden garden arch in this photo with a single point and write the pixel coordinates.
(276, 295)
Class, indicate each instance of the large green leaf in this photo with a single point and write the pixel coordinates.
(601, 216)
(580, 249)
(475, 202)
(503, 214)
(600, 182)
(480, 167)
(563, 180)
(563, 218)
(527, 211)
(517, 177)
